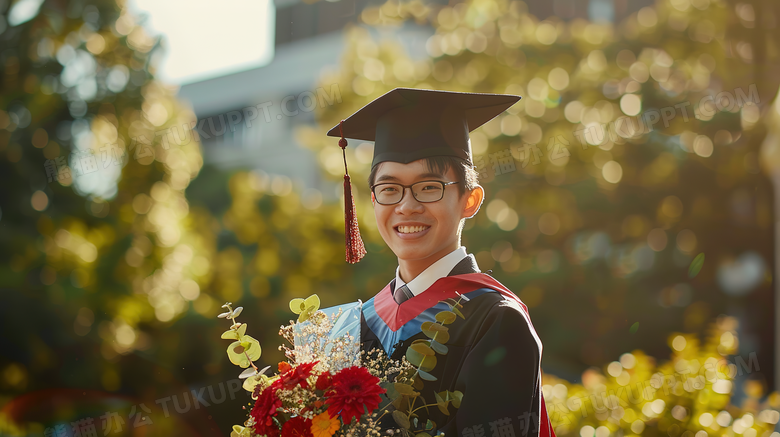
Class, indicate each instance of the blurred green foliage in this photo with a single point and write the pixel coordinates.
(607, 222)
(688, 395)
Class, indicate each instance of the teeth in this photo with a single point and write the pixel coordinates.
(411, 229)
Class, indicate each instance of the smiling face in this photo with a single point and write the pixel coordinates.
(421, 233)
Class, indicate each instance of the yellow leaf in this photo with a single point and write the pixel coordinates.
(423, 349)
(253, 348)
(405, 389)
(236, 354)
(457, 397)
(304, 316)
(250, 383)
(446, 317)
(297, 305)
(305, 307)
(435, 330)
(312, 303)
(230, 335)
(428, 363)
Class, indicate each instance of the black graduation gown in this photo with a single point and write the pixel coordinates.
(494, 357)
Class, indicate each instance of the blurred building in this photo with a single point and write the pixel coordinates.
(248, 119)
(594, 10)
(284, 95)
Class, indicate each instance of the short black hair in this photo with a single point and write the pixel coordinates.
(465, 174)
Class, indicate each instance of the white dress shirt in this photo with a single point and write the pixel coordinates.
(439, 269)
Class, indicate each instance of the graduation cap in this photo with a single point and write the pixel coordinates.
(407, 124)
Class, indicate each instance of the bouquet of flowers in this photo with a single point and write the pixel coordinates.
(328, 386)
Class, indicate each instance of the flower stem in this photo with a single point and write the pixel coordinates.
(421, 406)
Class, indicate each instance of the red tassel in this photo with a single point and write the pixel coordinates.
(354, 244)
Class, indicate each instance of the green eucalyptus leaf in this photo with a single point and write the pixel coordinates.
(423, 349)
(230, 335)
(429, 425)
(439, 348)
(446, 317)
(304, 316)
(428, 363)
(426, 376)
(297, 305)
(442, 337)
(312, 303)
(405, 389)
(401, 419)
(236, 354)
(435, 327)
(250, 383)
(457, 397)
(439, 331)
(460, 314)
(442, 400)
(399, 403)
(253, 348)
(439, 399)
(414, 357)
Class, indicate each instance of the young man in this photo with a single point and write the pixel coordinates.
(423, 188)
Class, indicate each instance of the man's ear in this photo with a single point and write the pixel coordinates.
(473, 201)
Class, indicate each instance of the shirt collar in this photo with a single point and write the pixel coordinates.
(439, 269)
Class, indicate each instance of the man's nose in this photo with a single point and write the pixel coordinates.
(408, 203)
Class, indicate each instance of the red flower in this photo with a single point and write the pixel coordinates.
(354, 389)
(297, 376)
(264, 410)
(298, 426)
(284, 367)
(323, 381)
(272, 431)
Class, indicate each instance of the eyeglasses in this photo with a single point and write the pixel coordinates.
(423, 191)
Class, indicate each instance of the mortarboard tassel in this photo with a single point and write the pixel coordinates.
(354, 244)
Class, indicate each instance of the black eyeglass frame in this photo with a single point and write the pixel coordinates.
(403, 193)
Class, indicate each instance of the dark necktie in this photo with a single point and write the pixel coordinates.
(402, 293)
